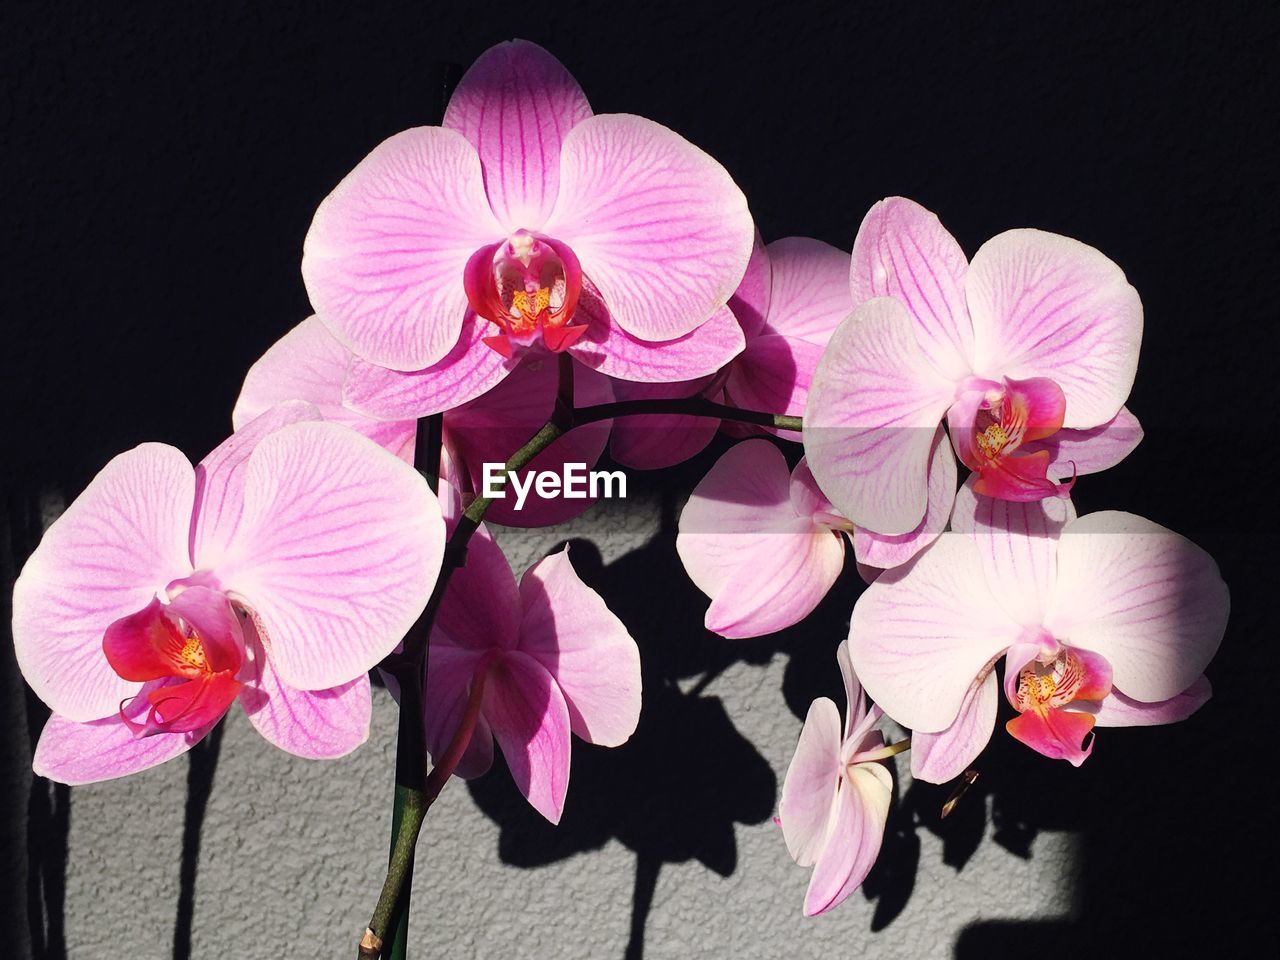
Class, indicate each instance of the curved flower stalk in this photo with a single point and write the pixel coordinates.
(525, 223)
(1028, 353)
(277, 572)
(1102, 620)
(793, 296)
(835, 799)
(545, 658)
(766, 545)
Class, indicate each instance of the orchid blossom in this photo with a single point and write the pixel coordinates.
(835, 799)
(277, 572)
(1102, 620)
(526, 224)
(793, 296)
(1027, 353)
(539, 660)
(766, 545)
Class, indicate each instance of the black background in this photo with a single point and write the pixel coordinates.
(161, 164)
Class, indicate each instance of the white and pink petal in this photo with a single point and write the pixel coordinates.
(1045, 305)
(872, 418)
(118, 545)
(336, 554)
(383, 261)
(659, 227)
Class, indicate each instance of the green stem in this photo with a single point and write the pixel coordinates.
(686, 406)
(411, 775)
(413, 811)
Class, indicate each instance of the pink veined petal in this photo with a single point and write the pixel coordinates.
(492, 427)
(923, 632)
(774, 373)
(810, 292)
(118, 544)
(76, 753)
(568, 629)
(862, 807)
(1147, 599)
(384, 257)
(1118, 710)
(470, 369)
(309, 364)
(939, 757)
(1078, 452)
(481, 606)
(750, 302)
(903, 251)
(219, 504)
(450, 673)
(515, 104)
(872, 419)
(659, 226)
(1044, 305)
(783, 575)
(336, 554)
(610, 350)
(530, 720)
(1018, 544)
(809, 791)
(655, 441)
(316, 724)
(885, 552)
(743, 545)
(746, 491)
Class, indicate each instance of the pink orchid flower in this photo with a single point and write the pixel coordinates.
(1028, 353)
(277, 572)
(766, 545)
(793, 296)
(526, 223)
(835, 799)
(309, 364)
(542, 660)
(1102, 620)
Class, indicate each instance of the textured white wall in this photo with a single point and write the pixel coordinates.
(293, 851)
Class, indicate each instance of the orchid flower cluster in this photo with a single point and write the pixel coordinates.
(530, 284)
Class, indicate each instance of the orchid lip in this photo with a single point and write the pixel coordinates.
(1050, 694)
(528, 287)
(187, 652)
(990, 422)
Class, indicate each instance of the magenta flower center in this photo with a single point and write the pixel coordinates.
(528, 287)
(991, 423)
(190, 672)
(1046, 686)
